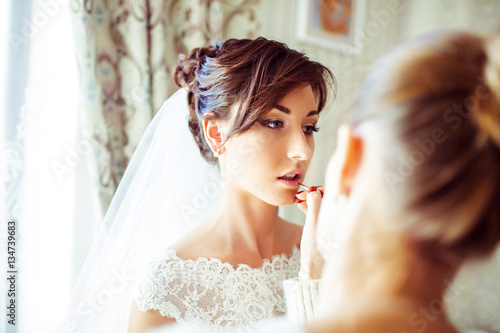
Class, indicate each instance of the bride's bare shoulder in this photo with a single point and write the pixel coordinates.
(198, 243)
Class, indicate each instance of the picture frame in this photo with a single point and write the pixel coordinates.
(331, 24)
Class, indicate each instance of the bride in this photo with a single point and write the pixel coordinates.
(253, 108)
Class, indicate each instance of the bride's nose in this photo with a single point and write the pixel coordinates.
(299, 147)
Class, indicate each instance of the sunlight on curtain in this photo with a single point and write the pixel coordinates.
(51, 155)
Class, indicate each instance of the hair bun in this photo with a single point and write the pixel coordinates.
(185, 72)
(492, 70)
(489, 116)
(186, 75)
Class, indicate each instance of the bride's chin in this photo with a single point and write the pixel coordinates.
(284, 200)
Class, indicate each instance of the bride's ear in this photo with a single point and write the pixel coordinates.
(213, 132)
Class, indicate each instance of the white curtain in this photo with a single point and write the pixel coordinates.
(43, 160)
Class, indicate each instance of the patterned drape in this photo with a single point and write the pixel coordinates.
(126, 50)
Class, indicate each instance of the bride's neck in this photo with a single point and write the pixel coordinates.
(245, 221)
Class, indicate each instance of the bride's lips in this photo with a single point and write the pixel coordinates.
(291, 178)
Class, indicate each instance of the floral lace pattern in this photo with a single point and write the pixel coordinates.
(213, 293)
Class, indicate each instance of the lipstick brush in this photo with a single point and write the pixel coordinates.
(304, 186)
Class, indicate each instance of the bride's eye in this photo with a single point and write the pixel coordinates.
(273, 124)
(308, 130)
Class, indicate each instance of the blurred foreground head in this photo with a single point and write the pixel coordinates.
(431, 109)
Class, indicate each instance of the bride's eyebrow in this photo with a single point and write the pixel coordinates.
(287, 110)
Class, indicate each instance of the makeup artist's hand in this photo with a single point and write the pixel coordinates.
(311, 262)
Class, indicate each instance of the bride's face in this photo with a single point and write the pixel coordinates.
(270, 159)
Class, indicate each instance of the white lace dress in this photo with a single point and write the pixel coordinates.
(215, 294)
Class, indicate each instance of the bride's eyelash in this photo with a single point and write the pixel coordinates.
(275, 124)
(267, 122)
(311, 129)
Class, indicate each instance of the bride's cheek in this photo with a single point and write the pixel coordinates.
(247, 151)
(264, 136)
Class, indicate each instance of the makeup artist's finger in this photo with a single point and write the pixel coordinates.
(302, 195)
(311, 263)
(313, 203)
(302, 204)
(321, 189)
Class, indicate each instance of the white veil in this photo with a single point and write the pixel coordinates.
(167, 189)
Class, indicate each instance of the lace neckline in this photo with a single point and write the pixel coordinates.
(266, 262)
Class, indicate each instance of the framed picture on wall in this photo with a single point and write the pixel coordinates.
(331, 24)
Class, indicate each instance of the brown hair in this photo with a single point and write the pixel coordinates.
(439, 98)
(254, 74)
